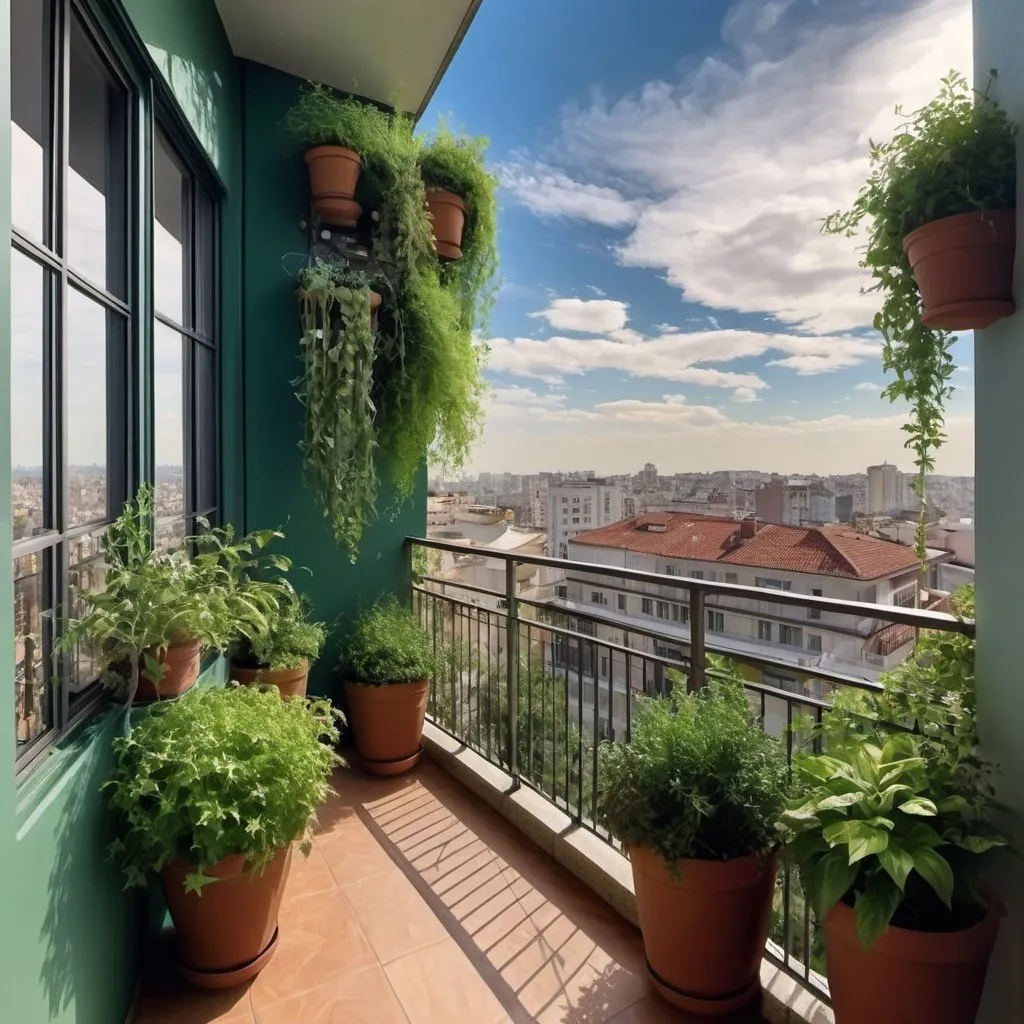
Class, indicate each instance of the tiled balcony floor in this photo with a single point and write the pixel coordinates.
(421, 905)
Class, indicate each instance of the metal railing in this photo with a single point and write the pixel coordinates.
(572, 674)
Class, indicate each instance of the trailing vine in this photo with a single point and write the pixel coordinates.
(336, 389)
(955, 155)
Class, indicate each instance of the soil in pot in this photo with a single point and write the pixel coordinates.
(290, 681)
(333, 176)
(448, 215)
(907, 977)
(228, 934)
(387, 722)
(704, 928)
(181, 669)
(963, 266)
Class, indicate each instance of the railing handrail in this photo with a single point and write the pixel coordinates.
(917, 617)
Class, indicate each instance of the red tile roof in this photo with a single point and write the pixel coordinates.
(834, 550)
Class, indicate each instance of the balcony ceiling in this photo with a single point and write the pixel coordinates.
(391, 51)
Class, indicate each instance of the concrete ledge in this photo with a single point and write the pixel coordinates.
(595, 863)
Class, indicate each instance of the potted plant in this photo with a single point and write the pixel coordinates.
(210, 792)
(460, 197)
(889, 833)
(337, 131)
(387, 662)
(282, 655)
(939, 207)
(694, 798)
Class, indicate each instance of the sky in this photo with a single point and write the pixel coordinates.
(666, 295)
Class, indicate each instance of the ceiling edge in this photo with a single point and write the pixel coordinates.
(452, 50)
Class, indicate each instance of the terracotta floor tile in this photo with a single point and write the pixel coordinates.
(394, 917)
(364, 997)
(309, 875)
(320, 942)
(439, 985)
(353, 853)
(166, 999)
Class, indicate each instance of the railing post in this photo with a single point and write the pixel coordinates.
(512, 665)
(697, 623)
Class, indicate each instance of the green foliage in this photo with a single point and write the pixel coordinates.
(217, 773)
(699, 779)
(388, 645)
(321, 118)
(335, 389)
(955, 155)
(292, 638)
(151, 600)
(894, 817)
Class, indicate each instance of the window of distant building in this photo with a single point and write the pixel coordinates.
(716, 622)
(814, 643)
(790, 636)
(764, 630)
(731, 577)
(772, 584)
(646, 606)
(696, 574)
(814, 613)
(621, 602)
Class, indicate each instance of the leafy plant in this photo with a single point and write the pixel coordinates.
(336, 390)
(955, 155)
(388, 645)
(699, 779)
(217, 773)
(320, 117)
(893, 817)
(291, 638)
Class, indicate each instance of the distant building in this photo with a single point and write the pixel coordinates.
(578, 505)
(887, 489)
(795, 502)
(844, 508)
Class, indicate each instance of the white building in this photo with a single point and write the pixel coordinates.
(887, 489)
(830, 561)
(795, 502)
(578, 505)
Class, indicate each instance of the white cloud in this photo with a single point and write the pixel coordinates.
(724, 174)
(549, 192)
(965, 369)
(674, 356)
(597, 316)
(597, 291)
(745, 395)
(868, 385)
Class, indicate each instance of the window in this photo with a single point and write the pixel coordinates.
(868, 596)
(646, 606)
(663, 612)
(565, 501)
(731, 577)
(597, 597)
(716, 622)
(905, 597)
(790, 636)
(696, 574)
(671, 570)
(184, 351)
(604, 667)
(764, 630)
(71, 328)
(561, 591)
(770, 584)
(575, 520)
(620, 602)
(814, 643)
(814, 613)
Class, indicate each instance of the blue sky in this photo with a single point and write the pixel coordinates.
(666, 295)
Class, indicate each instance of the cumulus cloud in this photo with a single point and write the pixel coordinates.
(745, 395)
(596, 316)
(721, 176)
(868, 385)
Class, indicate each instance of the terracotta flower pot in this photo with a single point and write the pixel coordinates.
(290, 681)
(448, 213)
(963, 266)
(181, 669)
(229, 933)
(704, 929)
(388, 724)
(907, 977)
(333, 177)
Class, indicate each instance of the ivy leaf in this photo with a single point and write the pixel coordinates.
(196, 880)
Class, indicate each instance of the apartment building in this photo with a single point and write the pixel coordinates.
(576, 505)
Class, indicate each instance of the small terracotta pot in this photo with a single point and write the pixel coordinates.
(963, 266)
(704, 929)
(907, 977)
(290, 681)
(226, 935)
(181, 669)
(448, 213)
(333, 176)
(375, 301)
(388, 724)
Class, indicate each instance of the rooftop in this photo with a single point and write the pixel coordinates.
(834, 550)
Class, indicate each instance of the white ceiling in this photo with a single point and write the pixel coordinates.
(391, 51)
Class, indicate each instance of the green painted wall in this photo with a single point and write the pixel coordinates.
(276, 191)
(999, 424)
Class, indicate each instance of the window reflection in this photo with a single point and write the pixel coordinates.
(169, 423)
(31, 685)
(170, 199)
(87, 571)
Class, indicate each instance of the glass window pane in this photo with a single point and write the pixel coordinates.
(205, 418)
(170, 203)
(28, 403)
(32, 692)
(206, 270)
(169, 422)
(87, 571)
(97, 193)
(30, 114)
(96, 411)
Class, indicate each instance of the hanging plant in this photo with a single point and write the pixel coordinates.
(955, 156)
(336, 390)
